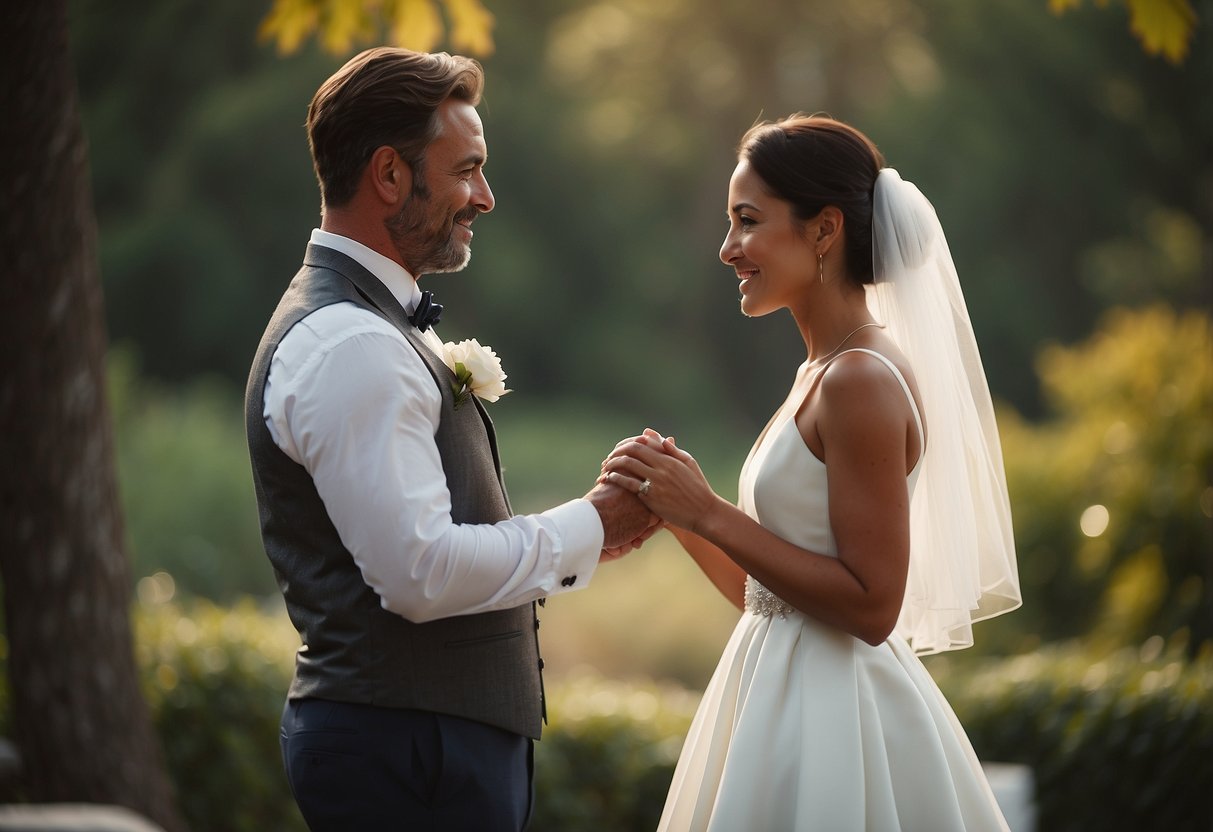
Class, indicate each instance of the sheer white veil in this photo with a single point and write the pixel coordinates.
(962, 553)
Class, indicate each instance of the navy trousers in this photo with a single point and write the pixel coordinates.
(362, 768)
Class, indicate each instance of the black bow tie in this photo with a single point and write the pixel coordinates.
(427, 312)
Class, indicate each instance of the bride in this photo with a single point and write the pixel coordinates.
(873, 522)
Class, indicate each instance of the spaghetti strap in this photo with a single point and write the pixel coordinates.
(922, 437)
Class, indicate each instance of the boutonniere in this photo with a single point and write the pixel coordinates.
(477, 371)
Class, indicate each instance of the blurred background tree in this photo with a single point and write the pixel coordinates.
(1069, 168)
(78, 716)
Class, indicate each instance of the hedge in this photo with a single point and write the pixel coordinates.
(1122, 742)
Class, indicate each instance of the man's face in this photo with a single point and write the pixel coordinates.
(432, 230)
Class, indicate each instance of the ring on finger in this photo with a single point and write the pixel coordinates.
(644, 488)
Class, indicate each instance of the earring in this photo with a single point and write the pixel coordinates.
(821, 270)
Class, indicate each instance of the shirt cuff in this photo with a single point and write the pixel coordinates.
(582, 537)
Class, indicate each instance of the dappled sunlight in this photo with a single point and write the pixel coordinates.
(157, 588)
(588, 695)
(652, 615)
(1094, 520)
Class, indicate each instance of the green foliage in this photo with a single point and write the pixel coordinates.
(1163, 26)
(1115, 741)
(611, 128)
(186, 484)
(1112, 497)
(1120, 740)
(606, 760)
(193, 254)
(1063, 163)
(1123, 741)
(216, 680)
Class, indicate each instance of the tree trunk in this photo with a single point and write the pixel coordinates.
(79, 717)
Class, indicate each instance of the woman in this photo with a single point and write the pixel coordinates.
(873, 520)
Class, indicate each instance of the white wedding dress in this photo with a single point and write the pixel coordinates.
(804, 727)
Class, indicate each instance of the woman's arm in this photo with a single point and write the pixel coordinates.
(861, 420)
(722, 570)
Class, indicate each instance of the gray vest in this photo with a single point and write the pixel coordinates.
(484, 667)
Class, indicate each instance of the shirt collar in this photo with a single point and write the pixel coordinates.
(391, 274)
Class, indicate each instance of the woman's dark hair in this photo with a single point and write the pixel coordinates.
(382, 97)
(815, 161)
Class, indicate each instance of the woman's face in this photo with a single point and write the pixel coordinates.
(766, 246)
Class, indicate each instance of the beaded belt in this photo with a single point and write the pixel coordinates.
(761, 601)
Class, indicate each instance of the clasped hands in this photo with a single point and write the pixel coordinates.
(666, 479)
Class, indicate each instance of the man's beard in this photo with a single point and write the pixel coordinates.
(425, 244)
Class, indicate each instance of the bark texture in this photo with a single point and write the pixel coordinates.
(80, 720)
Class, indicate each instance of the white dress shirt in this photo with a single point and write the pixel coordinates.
(349, 399)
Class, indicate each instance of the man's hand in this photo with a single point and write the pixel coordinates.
(617, 552)
(624, 518)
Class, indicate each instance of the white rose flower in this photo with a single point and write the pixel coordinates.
(477, 369)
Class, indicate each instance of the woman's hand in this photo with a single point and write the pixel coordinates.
(676, 489)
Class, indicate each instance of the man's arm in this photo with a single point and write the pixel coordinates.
(352, 402)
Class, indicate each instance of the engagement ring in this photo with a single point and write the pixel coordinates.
(644, 488)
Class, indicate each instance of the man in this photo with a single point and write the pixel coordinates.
(417, 689)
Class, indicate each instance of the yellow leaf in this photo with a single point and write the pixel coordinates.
(288, 23)
(1060, 7)
(344, 21)
(416, 24)
(1163, 26)
(471, 26)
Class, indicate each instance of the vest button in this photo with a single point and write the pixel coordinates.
(541, 664)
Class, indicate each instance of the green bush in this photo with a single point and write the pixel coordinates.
(607, 758)
(1119, 742)
(1123, 741)
(186, 484)
(1111, 496)
(216, 680)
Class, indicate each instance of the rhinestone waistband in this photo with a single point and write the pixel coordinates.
(761, 601)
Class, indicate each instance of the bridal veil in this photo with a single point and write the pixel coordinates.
(962, 552)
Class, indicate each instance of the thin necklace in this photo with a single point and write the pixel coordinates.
(843, 341)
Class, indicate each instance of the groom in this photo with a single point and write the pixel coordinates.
(417, 689)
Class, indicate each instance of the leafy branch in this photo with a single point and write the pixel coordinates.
(340, 25)
(1163, 26)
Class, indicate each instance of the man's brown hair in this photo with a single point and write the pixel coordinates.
(382, 97)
